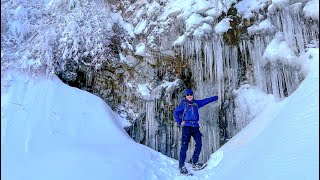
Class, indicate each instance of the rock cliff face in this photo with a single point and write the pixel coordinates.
(214, 47)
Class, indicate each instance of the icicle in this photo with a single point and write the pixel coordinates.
(218, 61)
(151, 125)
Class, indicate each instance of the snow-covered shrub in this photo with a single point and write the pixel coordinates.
(51, 34)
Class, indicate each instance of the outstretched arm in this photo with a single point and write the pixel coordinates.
(206, 101)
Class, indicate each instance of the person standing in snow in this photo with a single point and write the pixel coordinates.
(187, 116)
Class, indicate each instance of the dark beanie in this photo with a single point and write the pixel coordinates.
(188, 91)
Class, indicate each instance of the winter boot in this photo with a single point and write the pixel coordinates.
(184, 170)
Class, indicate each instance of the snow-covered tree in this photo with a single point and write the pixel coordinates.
(53, 34)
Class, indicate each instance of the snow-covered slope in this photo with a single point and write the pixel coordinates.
(282, 142)
(52, 131)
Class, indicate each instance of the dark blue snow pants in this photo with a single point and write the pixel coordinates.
(187, 132)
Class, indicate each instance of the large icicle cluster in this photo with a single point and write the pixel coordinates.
(230, 51)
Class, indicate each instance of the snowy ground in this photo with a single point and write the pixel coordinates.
(55, 132)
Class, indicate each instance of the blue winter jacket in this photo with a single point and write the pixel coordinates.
(188, 111)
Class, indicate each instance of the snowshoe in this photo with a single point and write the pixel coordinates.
(198, 166)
